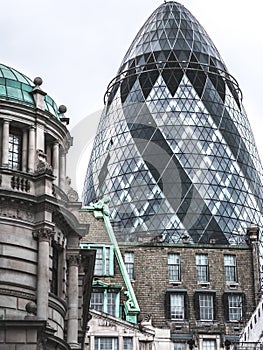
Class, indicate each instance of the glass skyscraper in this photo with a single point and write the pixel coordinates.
(174, 150)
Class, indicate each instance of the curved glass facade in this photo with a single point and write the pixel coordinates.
(17, 87)
(174, 150)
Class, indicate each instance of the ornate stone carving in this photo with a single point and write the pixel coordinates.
(71, 193)
(42, 166)
(15, 212)
(44, 234)
(73, 259)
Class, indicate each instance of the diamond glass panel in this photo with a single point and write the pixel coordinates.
(174, 150)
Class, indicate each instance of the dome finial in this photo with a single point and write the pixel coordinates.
(38, 81)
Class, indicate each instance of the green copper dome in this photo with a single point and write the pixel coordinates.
(17, 87)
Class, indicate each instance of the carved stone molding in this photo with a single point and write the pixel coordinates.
(16, 211)
(17, 293)
(44, 234)
(73, 259)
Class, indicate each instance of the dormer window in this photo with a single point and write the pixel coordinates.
(104, 264)
(105, 298)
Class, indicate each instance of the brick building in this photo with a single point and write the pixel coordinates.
(185, 293)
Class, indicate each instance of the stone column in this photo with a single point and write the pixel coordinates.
(44, 236)
(24, 150)
(73, 295)
(31, 149)
(62, 169)
(55, 162)
(5, 143)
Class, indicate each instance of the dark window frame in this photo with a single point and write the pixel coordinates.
(168, 305)
(56, 276)
(197, 294)
(225, 301)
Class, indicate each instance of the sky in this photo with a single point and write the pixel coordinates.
(76, 47)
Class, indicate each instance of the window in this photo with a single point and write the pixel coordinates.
(174, 272)
(105, 300)
(179, 346)
(55, 270)
(127, 343)
(129, 263)
(230, 268)
(14, 151)
(106, 343)
(104, 263)
(176, 305)
(235, 307)
(202, 268)
(209, 344)
(205, 306)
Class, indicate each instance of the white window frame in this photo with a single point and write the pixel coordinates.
(129, 263)
(174, 267)
(100, 343)
(209, 344)
(177, 306)
(202, 269)
(230, 268)
(235, 307)
(206, 307)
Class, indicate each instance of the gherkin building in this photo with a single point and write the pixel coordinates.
(174, 151)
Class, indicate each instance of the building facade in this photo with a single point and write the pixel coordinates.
(175, 156)
(180, 295)
(44, 279)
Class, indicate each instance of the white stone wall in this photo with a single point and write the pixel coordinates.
(253, 332)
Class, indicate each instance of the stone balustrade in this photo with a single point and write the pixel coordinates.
(17, 181)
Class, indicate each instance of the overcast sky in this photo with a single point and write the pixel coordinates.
(77, 46)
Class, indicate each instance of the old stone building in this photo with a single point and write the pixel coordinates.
(44, 279)
(179, 294)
